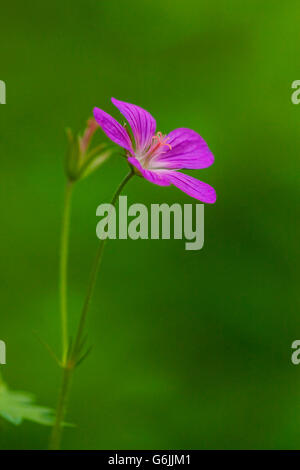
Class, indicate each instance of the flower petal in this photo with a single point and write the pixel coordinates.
(113, 129)
(191, 186)
(188, 150)
(156, 177)
(143, 125)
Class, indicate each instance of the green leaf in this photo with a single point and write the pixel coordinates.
(17, 406)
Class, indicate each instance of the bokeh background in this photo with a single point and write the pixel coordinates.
(190, 349)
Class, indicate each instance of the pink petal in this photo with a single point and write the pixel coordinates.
(188, 150)
(193, 187)
(143, 125)
(189, 185)
(156, 177)
(113, 129)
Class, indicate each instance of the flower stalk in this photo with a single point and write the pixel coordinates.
(75, 353)
(63, 269)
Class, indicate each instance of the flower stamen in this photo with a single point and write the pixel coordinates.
(155, 149)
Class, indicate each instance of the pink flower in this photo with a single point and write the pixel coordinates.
(157, 157)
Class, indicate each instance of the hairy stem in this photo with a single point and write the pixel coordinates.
(74, 356)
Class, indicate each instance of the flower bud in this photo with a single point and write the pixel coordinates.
(80, 160)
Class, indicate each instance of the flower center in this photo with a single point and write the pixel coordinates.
(157, 147)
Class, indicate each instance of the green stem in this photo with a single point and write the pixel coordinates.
(61, 408)
(63, 269)
(73, 358)
(93, 277)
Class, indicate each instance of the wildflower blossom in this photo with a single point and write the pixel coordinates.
(158, 157)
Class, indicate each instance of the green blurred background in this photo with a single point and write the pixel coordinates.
(190, 349)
